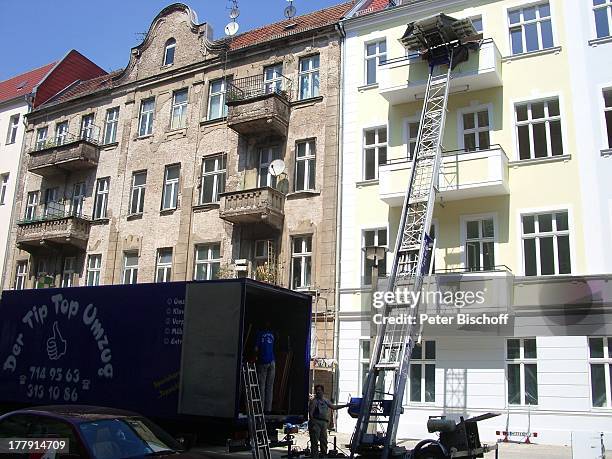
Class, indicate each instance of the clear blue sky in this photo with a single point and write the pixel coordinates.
(36, 32)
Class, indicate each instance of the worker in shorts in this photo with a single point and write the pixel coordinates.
(318, 420)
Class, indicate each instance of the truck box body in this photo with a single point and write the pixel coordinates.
(170, 350)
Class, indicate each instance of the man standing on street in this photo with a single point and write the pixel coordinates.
(318, 420)
(266, 367)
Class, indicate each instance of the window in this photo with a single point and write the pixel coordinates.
(101, 198)
(41, 137)
(208, 261)
(171, 184)
(87, 126)
(603, 17)
(301, 262)
(375, 237)
(110, 125)
(600, 360)
(305, 170)
(31, 205)
(169, 51)
(412, 131)
(422, 384)
(375, 54)
(265, 253)
(78, 197)
(266, 156)
(21, 275)
(163, 269)
(538, 127)
(61, 132)
(530, 28)
(309, 77)
(130, 267)
(94, 267)
(273, 78)
(213, 178)
(147, 109)
(53, 208)
(11, 135)
(475, 127)
(608, 114)
(522, 371)
(178, 118)
(374, 151)
(480, 244)
(68, 272)
(364, 360)
(216, 99)
(546, 248)
(477, 23)
(3, 186)
(139, 183)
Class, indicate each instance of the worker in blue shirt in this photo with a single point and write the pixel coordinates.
(266, 367)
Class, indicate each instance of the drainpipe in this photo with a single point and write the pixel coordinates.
(340, 125)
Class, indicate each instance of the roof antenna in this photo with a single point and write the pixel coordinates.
(232, 27)
(290, 10)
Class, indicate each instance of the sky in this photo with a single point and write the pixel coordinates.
(36, 32)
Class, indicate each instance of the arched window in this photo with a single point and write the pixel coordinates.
(169, 52)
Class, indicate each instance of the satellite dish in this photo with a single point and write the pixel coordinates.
(290, 11)
(276, 167)
(234, 13)
(231, 29)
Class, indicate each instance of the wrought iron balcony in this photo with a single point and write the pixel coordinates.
(258, 205)
(52, 226)
(64, 153)
(256, 105)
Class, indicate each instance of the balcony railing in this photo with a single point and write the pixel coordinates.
(257, 86)
(67, 138)
(65, 153)
(259, 205)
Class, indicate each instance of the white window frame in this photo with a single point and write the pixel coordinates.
(221, 94)
(146, 117)
(378, 57)
(384, 262)
(138, 192)
(608, 6)
(61, 133)
(68, 271)
(364, 362)
(305, 257)
(606, 361)
(171, 186)
(376, 146)
(478, 17)
(21, 274)
(87, 127)
(273, 83)
(530, 122)
(13, 129)
(4, 178)
(94, 269)
(310, 165)
(179, 110)
(130, 272)
(266, 156)
(554, 233)
(262, 258)
(217, 175)
(607, 109)
(170, 44)
(461, 130)
(31, 205)
(522, 361)
(163, 269)
(307, 77)
(423, 362)
(522, 23)
(110, 125)
(208, 262)
(464, 219)
(41, 137)
(102, 190)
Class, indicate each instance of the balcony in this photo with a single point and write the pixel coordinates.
(256, 106)
(404, 79)
(63, 154)
(463, 175)
(258, 205)
(53, 226)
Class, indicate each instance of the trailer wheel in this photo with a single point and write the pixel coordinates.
(430, 452)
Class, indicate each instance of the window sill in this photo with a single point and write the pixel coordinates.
(109, 146)
(204, 207)
(548, 159)
(143, 137)
(100, 221)
(367, 87)
(600, 41)
(306, 291)
(365, 183)
(134, 216)
(606, 153)
(540, 52)
(303, 194)
(306, 102)
(178, 132)
(223, 119)
(168, 211)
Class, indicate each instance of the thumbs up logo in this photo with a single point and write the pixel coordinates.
(56, 345)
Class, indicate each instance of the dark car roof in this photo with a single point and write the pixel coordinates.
(78, 413)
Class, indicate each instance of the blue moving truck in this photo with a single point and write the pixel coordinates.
(169, 351)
